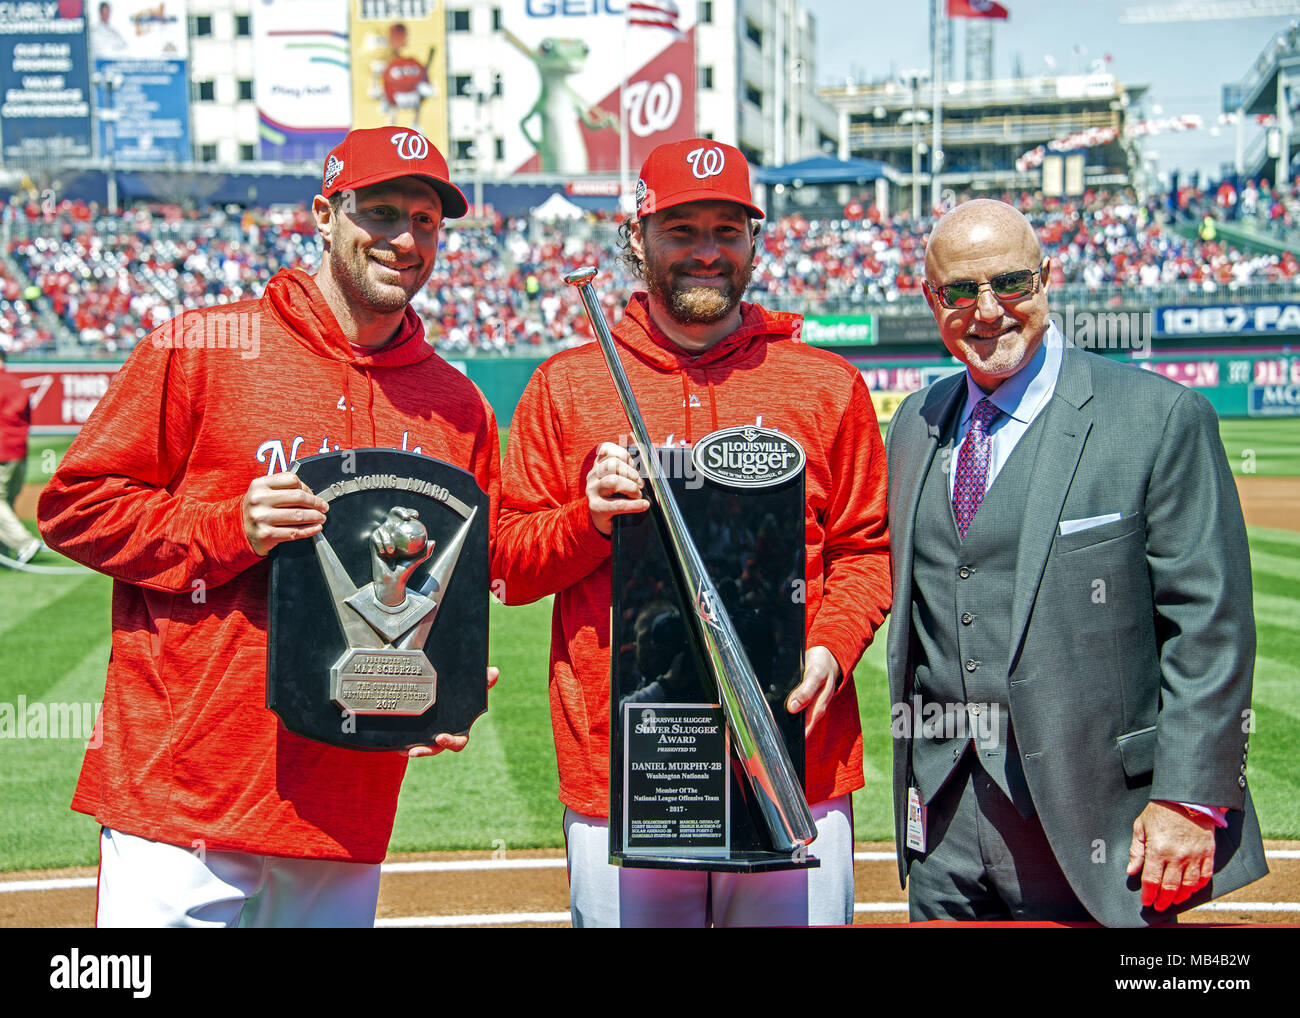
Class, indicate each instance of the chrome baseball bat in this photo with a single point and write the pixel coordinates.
(761, 749)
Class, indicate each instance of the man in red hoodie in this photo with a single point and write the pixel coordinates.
(699, 360)
(178, 487)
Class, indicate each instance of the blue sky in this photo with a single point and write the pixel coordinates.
(1185, 64)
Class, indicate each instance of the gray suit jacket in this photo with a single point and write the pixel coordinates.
(1132, 643)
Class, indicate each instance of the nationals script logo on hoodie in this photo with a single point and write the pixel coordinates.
(272, 451)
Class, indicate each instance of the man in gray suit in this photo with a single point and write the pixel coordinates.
(1072, 640)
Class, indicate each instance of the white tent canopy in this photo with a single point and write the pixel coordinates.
(557, 207)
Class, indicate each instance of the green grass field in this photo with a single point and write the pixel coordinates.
(1261, 447)
(501, 791)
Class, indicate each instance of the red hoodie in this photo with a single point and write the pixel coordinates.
(150, 493)
(547, 544)
(15, 417)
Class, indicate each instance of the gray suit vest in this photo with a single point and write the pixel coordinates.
(961, 618)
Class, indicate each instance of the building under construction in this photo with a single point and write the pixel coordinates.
(987, 126)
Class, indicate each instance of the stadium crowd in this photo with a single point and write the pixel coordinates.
(21, 329)
(498, 286)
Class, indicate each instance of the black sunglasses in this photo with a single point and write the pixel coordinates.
(1007, 286)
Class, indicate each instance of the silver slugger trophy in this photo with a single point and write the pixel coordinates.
(357, 663)
(755, 741)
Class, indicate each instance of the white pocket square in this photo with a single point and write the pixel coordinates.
(1074, 526)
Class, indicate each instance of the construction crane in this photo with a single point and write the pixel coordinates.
(1220, 11)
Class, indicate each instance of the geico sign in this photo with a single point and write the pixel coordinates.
(572, 8)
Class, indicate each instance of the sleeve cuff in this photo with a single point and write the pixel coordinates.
(842, 649)
(587, 538)
(225, 540)
(1219, 814)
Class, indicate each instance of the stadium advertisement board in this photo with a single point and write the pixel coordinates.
(839, 330)
(1275, 387)
(1274, 401)
(44, 82)
(1203, 374)
(145, 119)
(63, 395)
(890, 383)
(1237, 385)
(1242, 385)
(562, 65)
(399, 66)
(913, 330)
(303, 85)
(1281, 319)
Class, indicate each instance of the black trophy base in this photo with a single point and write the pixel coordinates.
(680, 797)
(739, 862)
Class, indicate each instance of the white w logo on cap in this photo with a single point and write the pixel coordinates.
(410, 145)
(706, 162)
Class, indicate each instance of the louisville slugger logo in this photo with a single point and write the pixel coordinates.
(706, 162)
(748, 457)
(410, 145)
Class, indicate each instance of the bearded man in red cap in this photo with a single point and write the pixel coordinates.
(699, 360)
(212, 813)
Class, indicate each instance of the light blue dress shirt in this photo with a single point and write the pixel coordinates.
(1021, 398)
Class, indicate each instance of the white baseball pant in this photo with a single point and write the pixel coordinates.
(145, 883)
(604, 895)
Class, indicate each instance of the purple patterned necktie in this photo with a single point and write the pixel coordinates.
(973, 467)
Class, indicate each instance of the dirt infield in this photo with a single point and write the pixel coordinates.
(1270, 501)
(528, 888)
(25, 506)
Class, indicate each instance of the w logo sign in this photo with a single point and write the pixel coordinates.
(706, 162)
(410, 145)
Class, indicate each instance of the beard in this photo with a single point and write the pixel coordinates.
(697, 305)
(351, 270)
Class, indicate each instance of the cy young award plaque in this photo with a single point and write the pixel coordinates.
(680, 797)
(378, 624)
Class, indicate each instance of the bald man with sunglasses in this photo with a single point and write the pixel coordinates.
(1072, 644)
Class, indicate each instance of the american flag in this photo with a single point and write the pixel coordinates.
(653, 14)
(976, 9)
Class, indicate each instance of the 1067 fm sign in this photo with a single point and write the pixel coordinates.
(1228, 320)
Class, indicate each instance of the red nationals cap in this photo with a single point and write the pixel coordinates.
(375, 154)
(693, 170)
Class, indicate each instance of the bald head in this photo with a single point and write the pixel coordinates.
(978, 222)
(988, 248)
